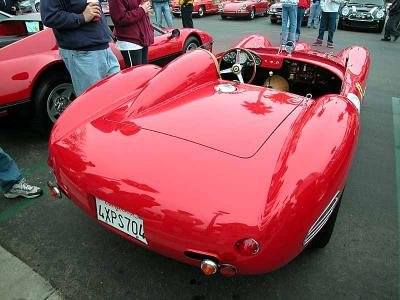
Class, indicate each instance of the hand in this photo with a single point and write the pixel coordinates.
(146, 7)
(91, 11)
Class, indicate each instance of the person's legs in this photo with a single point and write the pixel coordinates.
(145, 55)
(323, 26)
(158, 12)
(332, 16)
(311, 16)
(391, 27)
(89, 67)
(167, 13)
(187, 20)
(293, 22)
(132, 57)
(285, 16)
(9, 172)
(317, 14)
(300, 16)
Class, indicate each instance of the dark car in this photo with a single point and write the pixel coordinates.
(363, 14)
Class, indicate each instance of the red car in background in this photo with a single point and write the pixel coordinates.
(33, 73)
(200, 7)
(244, 8)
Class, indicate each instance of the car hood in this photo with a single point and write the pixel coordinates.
(276, 5)
(236, 123)
(235, 4)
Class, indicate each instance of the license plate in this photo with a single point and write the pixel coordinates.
(121, 220)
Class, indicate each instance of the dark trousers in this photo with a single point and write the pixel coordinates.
(187, 11)
(300, 17)
(391, 26)
(135, 57)
(328, 23)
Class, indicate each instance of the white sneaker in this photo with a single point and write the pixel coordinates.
(22, 189)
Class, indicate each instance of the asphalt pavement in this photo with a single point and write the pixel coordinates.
(86, 261)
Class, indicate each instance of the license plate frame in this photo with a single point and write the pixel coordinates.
(130, 224)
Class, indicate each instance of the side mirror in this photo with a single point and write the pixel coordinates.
(175, 33)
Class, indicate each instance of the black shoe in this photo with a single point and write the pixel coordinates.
(386, 39)
(396, 37)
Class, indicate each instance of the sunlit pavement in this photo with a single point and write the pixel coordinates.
(85, 261)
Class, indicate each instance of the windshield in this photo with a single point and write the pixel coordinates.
(366, 2)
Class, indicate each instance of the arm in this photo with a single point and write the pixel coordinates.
(122, 17)
(54, 16)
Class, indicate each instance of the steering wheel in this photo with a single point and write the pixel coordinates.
(237, 67)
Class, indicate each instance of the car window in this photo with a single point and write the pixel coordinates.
(32, 26)
(366, 2)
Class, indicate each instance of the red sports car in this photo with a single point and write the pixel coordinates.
(244, 8)
(33, 73)
(200, 7)
(233, 163)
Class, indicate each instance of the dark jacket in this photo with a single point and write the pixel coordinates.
(6, 7)
(69, 27)
(131, 23)
(395, 8)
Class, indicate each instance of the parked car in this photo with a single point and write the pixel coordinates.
(200, 7)
(244, 8)
(363, 14)
(33, 73)
(234, 163)
(25, 6)
(275, 14)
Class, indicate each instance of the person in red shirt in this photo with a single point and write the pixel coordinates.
(133, 29)
(301, 9)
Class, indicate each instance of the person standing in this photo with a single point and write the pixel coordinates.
(301, 9)
(289, 13)
(186, 11)
(329, 15)
(83, 38)
(9, 6)
(12, 184)
(132, 29)
(393, 22)
(315, 12)
(161, 7)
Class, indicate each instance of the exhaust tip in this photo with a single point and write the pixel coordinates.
(54, 190)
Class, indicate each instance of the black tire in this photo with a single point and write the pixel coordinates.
(201, 11)
(340, 25)
(274, 21)
(265, 14)
(191, 43)
(252, 14)
(58, 80)
(323, 237)
(37, 6)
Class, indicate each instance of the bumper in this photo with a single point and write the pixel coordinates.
(234, 14)
(360, 23)
(275, 16)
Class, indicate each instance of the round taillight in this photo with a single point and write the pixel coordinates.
(227, 270)
(208, 267)
(248, 246)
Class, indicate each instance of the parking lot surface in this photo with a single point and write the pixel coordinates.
(86, 261)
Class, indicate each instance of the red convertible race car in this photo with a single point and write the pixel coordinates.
(33, 73)
(235, 166)
(244, 8)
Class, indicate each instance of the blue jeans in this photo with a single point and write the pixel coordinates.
(9, 172)
(315, 11)
(300, 16)
(289, 12)
(89, 67)
(328, 23)
(162, 8)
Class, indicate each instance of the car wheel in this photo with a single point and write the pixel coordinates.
(265, 14)
(201, 12)
(274, 21)
(252, 13)
(190, 44)
(322, 238)
(37, 6)
(51, 98)
(340, 25)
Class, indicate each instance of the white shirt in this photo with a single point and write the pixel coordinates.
(127, 46)
(330, 5)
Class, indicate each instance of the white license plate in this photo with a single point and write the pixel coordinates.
(121, 220)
